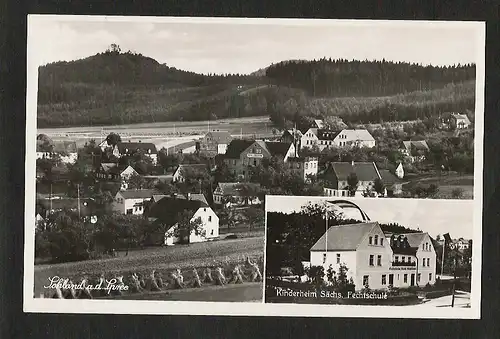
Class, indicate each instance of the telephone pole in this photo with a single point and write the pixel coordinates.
(454, 281)
(78, 200)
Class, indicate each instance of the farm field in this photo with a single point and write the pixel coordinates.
(162, 259)
(246, 292)
(163, 134)
(447, 183)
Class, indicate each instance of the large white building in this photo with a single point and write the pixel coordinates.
(377, 259)
(323, 138)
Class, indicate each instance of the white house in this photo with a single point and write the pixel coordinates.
(132, 201)
(460, 121)
(166, 211)
(304, 167)
(240, 193)
(354, 246)
(324, 138)
(375, 259)
(400, 172)
(66, 150)
(185, 171)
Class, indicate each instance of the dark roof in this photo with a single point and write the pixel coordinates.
(420, 145)
(234, 188)
(192, 196)
(302, 159)
(167, 209)
(138, 193)
(113, 168)
(388, 178)
(365, 171)
(131, 147)
(344, 237)
(220, 136)
(277, 148)
(236, 146)
(327, 134)
(415, 239)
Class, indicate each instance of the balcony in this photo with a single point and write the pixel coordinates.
(400, 263)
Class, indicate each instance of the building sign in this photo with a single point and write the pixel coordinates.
(253, 155)
(402, 268)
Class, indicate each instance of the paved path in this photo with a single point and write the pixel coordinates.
(462, 299)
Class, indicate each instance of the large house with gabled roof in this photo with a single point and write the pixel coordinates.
(414, 150)
(323, 138)
(166, 211)
(110, 171)
(242, 154)
(215, 142)
(236, 193)
(132, 201)
(337, 173)
(376, 259)
(192, 171)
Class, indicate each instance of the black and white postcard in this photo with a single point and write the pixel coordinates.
(162, 154)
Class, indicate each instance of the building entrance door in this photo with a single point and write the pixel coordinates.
(391, 279)
(412, 281)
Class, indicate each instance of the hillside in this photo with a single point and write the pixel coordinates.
(122, 88)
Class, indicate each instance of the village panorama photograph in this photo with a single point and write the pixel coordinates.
(155, 141)
(392, 252)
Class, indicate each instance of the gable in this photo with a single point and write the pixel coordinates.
(343, 237)
(257, 149)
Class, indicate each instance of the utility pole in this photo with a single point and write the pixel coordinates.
(78, 200)
(454, 281)
(442, 259)
(326, 235)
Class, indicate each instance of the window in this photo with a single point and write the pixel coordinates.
(204, 210)
(430, 276)
(307, 165)
(371, 259)
(384, 281)
(396, 258)
(379, 260)
(403, 259)
(365, 280)
(405, 278)
(369, 240)
(423, 262)
(324, 258)
(381, 241)
(212, 232)
(423, 247)
(210, 219)
(338, 258)
(428, 262)
(376, 240)
(418, 277)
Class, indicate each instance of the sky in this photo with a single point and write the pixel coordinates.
(239, 46)
(429, 215)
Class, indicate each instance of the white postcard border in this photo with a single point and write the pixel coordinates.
(37, 305)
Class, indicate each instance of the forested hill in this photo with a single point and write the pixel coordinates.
(120, 88)
(343, 78)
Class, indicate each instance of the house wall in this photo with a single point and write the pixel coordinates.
(210, 224)
(122, 205)
(348, 258)
(431, 268)
(375, 272)
(308, 139)
(399, 272)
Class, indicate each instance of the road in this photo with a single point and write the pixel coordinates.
(247, 292)
(462, 300)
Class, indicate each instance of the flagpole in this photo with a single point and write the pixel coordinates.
(326, 234)
(442, 259)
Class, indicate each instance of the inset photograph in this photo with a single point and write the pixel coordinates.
(393, 252)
